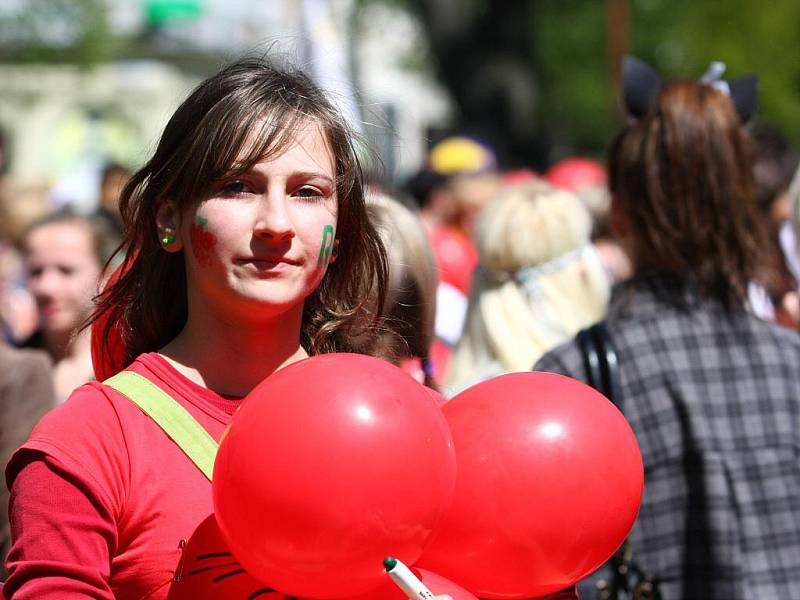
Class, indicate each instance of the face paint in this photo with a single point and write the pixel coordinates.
(326, 247)
(203, 241)
(207, 569)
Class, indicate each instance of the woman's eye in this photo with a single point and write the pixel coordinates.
(309, 192)
(236, 187)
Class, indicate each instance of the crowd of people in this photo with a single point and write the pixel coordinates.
(252, 232)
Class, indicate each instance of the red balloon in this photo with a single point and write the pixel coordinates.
(549, 483)
(209, 571)
(576, 173)
(435, 583)
(330, 465)
(108, 350)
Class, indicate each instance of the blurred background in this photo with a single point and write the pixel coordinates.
(464, 105)
(86, 83)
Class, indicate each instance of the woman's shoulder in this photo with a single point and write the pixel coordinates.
(564, 359)
(23, 364)
(88, 414)
(88, 404)
(89, 426)
(83, 435)
(93, 409)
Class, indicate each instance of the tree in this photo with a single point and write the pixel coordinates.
(66, 31)
(484, 56)
(535, 78)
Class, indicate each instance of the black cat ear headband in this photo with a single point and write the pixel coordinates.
(641, 85)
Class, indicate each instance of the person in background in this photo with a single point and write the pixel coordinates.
(64, 256)
(471, 194)
(19, 207)
(447, 203)
(26, 395)
(776, 284)
(410, 310)
(587, 179)
(112, 181)
(434, 201)
(18, 314)
(711, 391)
(538, 283)
(469, 171)
(790, 235)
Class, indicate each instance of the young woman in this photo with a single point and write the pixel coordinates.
(247, 248)
(539, 282)
(64, 256)
(26, 394)
(410, 309)
(711, 391)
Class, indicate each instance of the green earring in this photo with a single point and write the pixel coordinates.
(167, 240)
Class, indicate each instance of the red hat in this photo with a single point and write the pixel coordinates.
(576, 173)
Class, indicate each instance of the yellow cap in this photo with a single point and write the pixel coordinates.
(460, 155)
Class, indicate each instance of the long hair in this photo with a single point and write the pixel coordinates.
(538, 283)
(410, 305)
(775, 164)
(683, 176)
(249, 111)
(103, 238)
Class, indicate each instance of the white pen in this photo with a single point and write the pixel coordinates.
(406, 580)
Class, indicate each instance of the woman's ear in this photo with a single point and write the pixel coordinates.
(168, 224)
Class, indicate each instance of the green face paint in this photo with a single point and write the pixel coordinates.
(326, 247)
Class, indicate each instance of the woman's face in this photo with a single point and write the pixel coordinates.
(262, 242)
(63, 274)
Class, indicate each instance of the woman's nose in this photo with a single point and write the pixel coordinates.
(45, 284)
(274, 220)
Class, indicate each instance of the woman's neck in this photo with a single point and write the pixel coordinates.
(63, 345)
(72, 361)
(231, 357)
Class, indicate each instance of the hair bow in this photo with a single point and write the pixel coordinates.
(641, 85)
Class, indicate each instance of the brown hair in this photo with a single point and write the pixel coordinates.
(104, 239)
(775, 164)
(683, 176)
(209, 139)
(410, 305)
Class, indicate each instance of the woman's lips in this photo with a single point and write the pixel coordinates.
(49, 310)
(268, 263)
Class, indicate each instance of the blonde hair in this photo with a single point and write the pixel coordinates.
(410, 306)
(538, 283)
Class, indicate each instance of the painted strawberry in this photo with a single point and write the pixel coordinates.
(207, 570)
(203, 241)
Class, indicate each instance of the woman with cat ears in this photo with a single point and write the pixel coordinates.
(247, 248)
(711, 391)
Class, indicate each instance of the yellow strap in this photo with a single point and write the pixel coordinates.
(177, 423)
